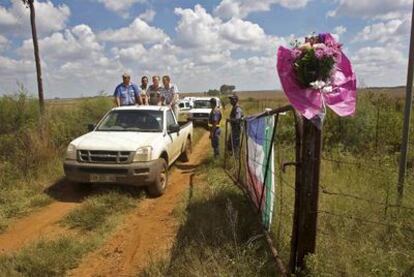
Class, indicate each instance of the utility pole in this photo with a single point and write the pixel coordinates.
(30, 4)
(407, 115)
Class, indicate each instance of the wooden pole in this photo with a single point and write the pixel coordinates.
(37, 56)
(407, 115)
(307, 196)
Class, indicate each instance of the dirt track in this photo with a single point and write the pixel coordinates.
(43, 223)
(148, 231)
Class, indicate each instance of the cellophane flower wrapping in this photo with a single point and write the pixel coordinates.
(317, 74)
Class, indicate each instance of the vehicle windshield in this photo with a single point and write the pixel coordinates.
(132, 120)
(202, 104)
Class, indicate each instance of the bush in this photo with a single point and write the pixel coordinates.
(29, 148)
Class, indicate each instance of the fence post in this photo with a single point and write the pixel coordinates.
(306, 197)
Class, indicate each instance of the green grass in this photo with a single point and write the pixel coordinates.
(45, 258)
(218, 235)
(93, 220)
(99, 212)
(31, 160)
(356, 237)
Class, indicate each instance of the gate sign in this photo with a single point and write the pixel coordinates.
(260, 165)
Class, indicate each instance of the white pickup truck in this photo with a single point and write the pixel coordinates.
(201, 109)
(132, 145)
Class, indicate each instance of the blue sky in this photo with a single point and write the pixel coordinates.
(86, 44)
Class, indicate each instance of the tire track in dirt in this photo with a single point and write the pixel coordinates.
(43, 223)
(148, 231)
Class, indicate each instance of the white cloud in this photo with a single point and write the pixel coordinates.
(242, 8)
(241, 32)
(49, 18)
(11, 68)
(73, 62)
(368, 9)
(4, 43)
(380, 66)
(137, 32)
(76, 44)
(147, 16)
(197, 28)
(7, 18)
(339, 30)
(391, 31)
(121, 7)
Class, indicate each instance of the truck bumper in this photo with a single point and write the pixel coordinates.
(136, 174)
(199, 120)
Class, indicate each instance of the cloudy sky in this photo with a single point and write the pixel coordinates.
(85, 45)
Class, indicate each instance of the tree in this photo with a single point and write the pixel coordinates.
(30, 5)
(213, 92)
(226, 89)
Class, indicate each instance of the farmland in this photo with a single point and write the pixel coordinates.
(211, 227)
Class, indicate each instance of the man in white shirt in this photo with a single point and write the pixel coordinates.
(169, 94)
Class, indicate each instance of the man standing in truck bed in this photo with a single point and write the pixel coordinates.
(127, 93)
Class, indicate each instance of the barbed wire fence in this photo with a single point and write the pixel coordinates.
(289, 193)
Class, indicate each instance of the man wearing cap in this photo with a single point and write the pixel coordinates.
(127, 93)
(215, 132)
(236, 116)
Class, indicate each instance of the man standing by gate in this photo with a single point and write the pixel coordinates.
(236, 116)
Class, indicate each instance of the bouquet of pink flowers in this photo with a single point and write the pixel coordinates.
(315, 60)
(316, 74)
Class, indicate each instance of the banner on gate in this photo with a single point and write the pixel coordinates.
(260, 165)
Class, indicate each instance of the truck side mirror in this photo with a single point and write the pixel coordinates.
(174, 128)
(91, 127)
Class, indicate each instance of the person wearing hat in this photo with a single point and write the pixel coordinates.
(236, 116)
(127, 93)
(215, 132)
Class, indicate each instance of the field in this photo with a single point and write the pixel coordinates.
(209, 228)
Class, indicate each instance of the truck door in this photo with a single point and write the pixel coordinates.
(175, 149)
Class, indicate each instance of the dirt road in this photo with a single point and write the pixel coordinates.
(43, 223)
(146, 232)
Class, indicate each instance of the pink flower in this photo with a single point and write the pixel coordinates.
(296, 53)
(319, 53)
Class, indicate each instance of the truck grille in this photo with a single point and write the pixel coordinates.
(200, 115)
(110, 157)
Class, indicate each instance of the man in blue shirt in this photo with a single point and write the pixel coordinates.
(214, 121)
(127, 93)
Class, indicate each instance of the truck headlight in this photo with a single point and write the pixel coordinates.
(71, 152)
(143, 154)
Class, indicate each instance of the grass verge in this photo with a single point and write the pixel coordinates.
(218, 234)
(45, 258)
(99, 212)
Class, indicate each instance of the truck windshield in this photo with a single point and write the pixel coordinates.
(132, 120)
(202, 104)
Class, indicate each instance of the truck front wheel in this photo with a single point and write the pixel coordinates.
(158, 187)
